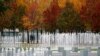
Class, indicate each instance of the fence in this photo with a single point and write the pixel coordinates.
(67, 39)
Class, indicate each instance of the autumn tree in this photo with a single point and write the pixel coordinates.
(90, 15)
(17, 16)
(51, 15)
(27, 25)
(69, 20)
(5, 14)
(32, 14)
(5, 20)
(15, 20)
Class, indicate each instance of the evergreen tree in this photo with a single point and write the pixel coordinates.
(69, 20)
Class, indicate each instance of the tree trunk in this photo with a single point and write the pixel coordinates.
(23, 36)
(37, 36)
(41, 34)
(2, 32)
(28, 36)
(54, 36)
(14, 34)
(9, 34)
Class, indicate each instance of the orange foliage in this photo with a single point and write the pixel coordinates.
(78, 4)
(62, 3)
(20, 2)
(43, 5)
(31, 8)
(27, 24)
(90, 14)
(50, 15)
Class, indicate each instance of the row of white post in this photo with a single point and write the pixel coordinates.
(45, 52)
(58, 39)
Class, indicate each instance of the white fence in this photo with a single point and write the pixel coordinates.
(67, 39)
